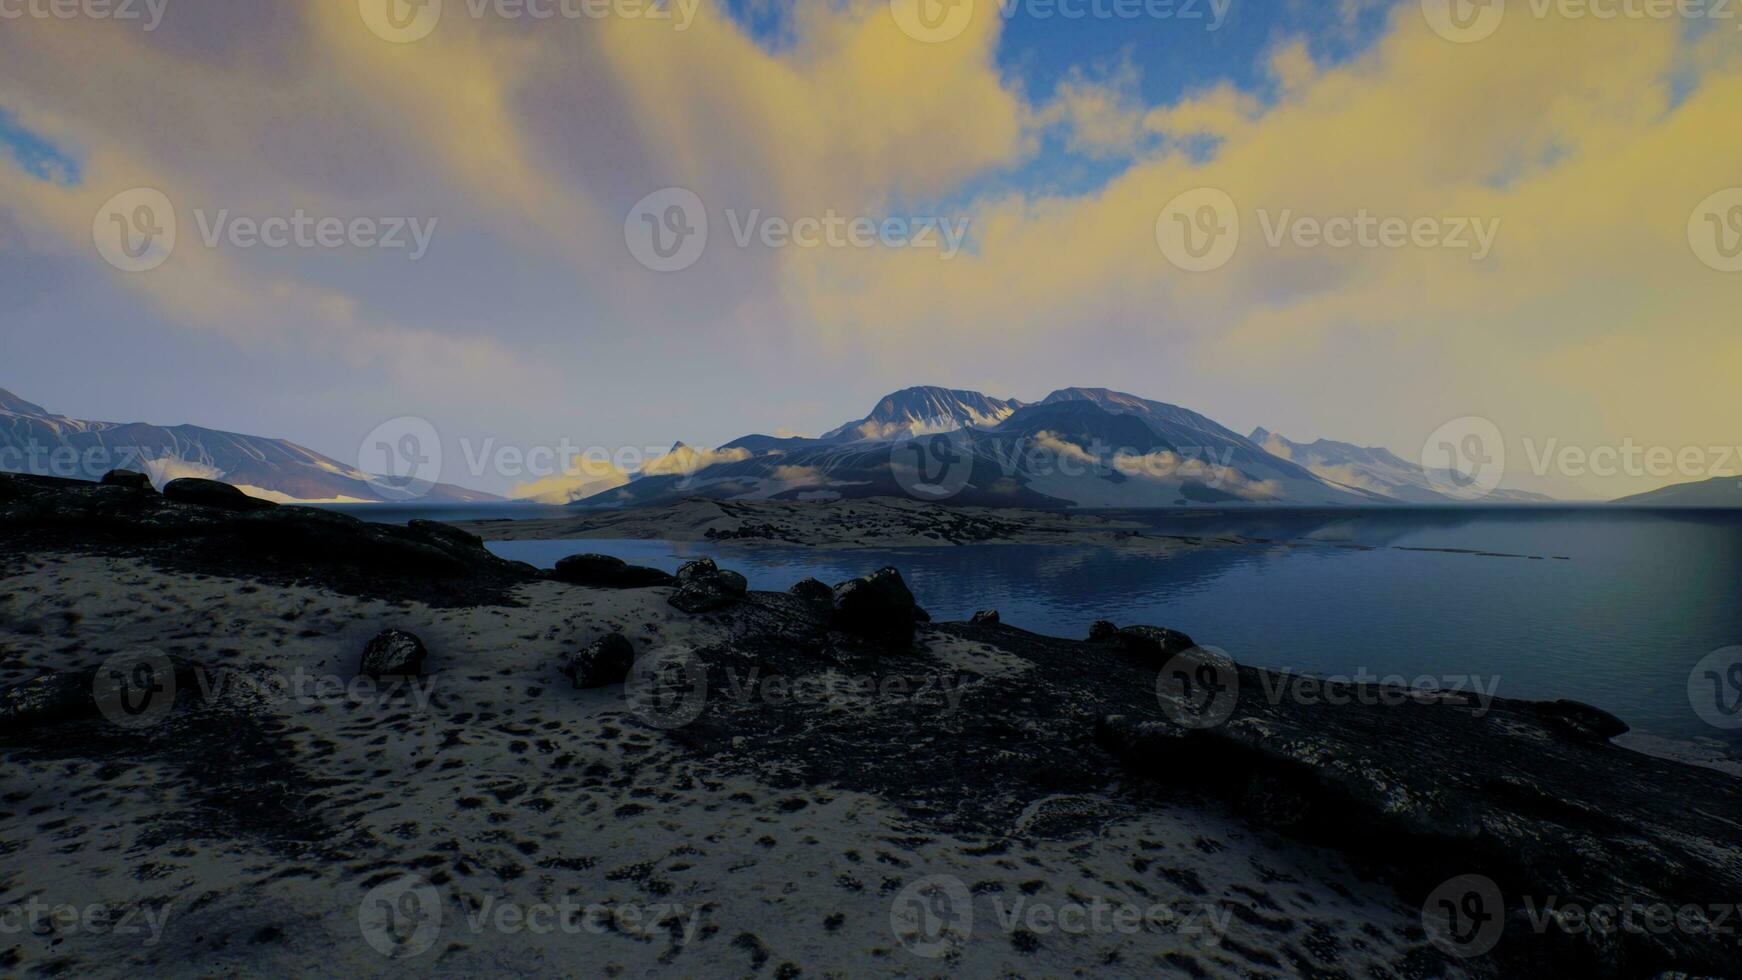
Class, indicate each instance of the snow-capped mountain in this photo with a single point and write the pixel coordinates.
(1375, 470)
(1078, 447)
(923, 411)
(34, 440)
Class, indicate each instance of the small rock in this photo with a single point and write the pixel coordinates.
(814, 592)
(131, 479)
(878, 606)
(606, 572)
(603, 662)
(987, 617)
(1153, 641)
(211, 493)
(1102, 631)
(732, 582)
(394, 653)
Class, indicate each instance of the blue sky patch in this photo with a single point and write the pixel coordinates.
(38, 157)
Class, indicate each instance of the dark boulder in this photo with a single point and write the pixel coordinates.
(700, 568)
(76, 695)
(706, 587)
(879, 607)
(603, 662)
(46, 699)
(211, 493)
(1582, 720)
(1153, 642)
(814, 592)
(606, 572)
(987, 617)
(704, 595)
(704, 570)
(394, 653)
(1102, 631)
(130, 479)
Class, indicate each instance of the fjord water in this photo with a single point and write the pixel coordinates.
(1613, 607)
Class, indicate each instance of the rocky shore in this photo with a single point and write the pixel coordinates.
(875, 522)
(271, 738)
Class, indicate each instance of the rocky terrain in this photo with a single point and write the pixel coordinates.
(240, 739)
(898, 522)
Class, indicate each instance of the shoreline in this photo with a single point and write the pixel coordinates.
(874, 523)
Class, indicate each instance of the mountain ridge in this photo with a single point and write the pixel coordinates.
(1375, 469)
(35, 440)
(1716, 492)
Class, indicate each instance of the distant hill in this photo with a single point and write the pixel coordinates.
(34, 440)
(1379, 471)
(1720, 491)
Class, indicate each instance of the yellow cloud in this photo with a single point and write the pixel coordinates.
(685, 461)
(587, 477)
(1566, 134)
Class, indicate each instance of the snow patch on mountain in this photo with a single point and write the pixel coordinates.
(925, 411)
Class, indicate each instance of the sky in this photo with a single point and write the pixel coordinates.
(499, 193)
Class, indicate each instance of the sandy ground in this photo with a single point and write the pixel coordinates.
(490, 820)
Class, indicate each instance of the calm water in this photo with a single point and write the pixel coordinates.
(1610, 607)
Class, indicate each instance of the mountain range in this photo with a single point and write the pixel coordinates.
(1077, 447)
(34, 440)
